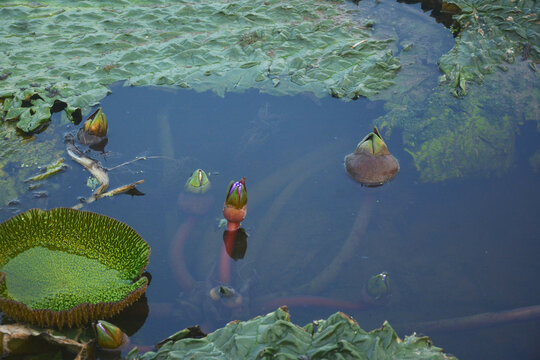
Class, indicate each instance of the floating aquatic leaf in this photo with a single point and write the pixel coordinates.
(64, 267)
(275, 336)
(70, 52)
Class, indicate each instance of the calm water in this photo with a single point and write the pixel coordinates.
(456, 248)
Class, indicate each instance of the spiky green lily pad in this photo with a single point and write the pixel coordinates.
(274, 336)
(68, 267)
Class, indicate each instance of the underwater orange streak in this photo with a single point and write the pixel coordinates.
(319, 301)
(177, 254)
(225, 261)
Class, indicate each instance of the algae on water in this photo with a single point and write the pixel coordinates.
(20, 159)
(494, 33)
(473, 135)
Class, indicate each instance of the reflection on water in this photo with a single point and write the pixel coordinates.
(451, 249)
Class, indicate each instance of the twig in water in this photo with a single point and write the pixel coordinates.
(116, 191)
(91, 165)
(140, 158)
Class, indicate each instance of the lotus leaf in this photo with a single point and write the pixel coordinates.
(274, 336)
(68, 267)
(69, 52)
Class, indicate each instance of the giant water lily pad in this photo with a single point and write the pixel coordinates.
(65, 267)
(274, 336)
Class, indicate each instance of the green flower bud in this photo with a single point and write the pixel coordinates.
(237, 194)
(96, 124)
(109, 336)
(372, 144)
(198, 183)
(378, 286)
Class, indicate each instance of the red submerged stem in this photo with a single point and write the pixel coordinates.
(480, 320)
(177, 254)
(225, 261)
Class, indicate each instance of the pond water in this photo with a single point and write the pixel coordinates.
(451, 249)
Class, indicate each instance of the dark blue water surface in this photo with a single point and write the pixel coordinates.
(454, 248)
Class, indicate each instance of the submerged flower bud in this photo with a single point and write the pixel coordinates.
(237, 194)
(96, 124)
(198, 182)
(109, 336)
(378, 286)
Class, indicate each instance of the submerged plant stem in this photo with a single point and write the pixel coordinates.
(348, 250)
(480, 320)
(177, 254)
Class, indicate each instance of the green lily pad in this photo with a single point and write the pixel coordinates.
(61, 50)
(274, 336)
(69, 267)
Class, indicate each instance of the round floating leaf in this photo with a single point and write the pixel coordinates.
(68, 267)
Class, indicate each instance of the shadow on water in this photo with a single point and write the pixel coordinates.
(442, 13)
